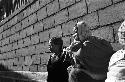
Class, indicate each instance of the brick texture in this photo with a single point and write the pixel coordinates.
(25, 34)
(105, 32)
(42, 13)
(52, 7)
(56, 32)
(65, 3)
(112, 14)
(77, 10)
(61, 17)
(94, 5)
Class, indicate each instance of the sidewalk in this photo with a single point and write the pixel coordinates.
(23, 76)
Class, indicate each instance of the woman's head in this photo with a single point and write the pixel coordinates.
(81, 31)
(55, 44)
(121, 33)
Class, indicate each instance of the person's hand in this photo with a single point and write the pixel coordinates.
(74, 43)
(69, 68)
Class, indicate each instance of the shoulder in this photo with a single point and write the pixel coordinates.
(120, 54)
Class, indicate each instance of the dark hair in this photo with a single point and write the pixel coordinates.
(57, 41)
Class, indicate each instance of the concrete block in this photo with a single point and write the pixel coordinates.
(23, 33)
(6, 40)
(16, 37)
(3, 49)
(31, 50)
(116, 1)
(15, 61)
(21, 61)
(25, 22)
(61, 17)
(112, 14)
(35, 39)
(57, 31)
(30, 30)
(30, 10)
(17, 68)
(28, 61)
(22, 52)
(5, 26)
(66, 41)
(20, 43)
(9, 62)
(67, 28)
(32, 19)
(0, 36)
(78, 0)
(42, 13)
(45, 58)
(25, 68)
(15, 45)
(9, 55)
(36, 59)
(8, 32)
(18, 27)
(77, 10)
(20, 16)
(14, 20)
(13, 30)
(105, 33)
(9, 47)
(27, 41)
(25, 13)
(37, 5)
(48, 22)
(42, 68)
(52, 7)
(40, 48)
(43, 2)
(38, 27)
(94, 5)
(34, 68)
(91, 19)
(65, 3)
(4, 34)
(44, 36)
(34, 6)
(3, 42)
(1, 29)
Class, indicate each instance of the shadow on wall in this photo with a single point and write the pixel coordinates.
(7, 75)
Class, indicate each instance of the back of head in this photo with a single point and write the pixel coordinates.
(57, 41)
(83, 30)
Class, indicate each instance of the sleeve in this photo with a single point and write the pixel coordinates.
(49, 62)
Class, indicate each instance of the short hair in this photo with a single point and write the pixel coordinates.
(84, 28)
(57, 40)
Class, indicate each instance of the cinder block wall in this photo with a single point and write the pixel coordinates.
(24, 35)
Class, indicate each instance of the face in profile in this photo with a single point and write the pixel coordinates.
(121, 33)
(52, 47)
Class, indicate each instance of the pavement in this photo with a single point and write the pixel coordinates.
(22, 76)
